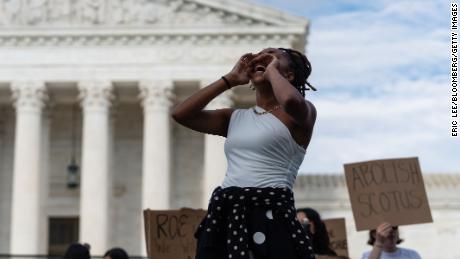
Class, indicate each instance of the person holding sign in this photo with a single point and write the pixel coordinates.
(252, 214)
(384, 241)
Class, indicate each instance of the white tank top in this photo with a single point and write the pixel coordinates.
(260, 151)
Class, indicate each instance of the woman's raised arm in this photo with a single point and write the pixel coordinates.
(190, 113)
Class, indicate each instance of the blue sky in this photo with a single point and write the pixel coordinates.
(382, 70)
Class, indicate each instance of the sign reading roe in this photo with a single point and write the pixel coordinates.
(387, 190)
(169, 233)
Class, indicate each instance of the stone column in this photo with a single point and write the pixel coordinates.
(96, 181)
(215, 162)
(156, 172)
(156, 98)
(27, 201)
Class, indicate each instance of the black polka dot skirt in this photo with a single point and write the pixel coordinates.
(252, 223)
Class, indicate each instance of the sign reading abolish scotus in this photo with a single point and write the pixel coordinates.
(388, 190)
(169, 233)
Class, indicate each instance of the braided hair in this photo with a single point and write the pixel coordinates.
(301, 67)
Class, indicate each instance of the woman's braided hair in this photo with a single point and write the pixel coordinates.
(301, 67)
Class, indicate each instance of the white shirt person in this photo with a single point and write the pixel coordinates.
(384, 241)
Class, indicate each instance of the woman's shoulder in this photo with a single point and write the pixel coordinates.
(309, 102)
(311, 106)
(233, 114)
(240, 111)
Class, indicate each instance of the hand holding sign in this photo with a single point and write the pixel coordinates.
(382, 233)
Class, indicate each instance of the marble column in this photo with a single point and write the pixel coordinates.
(215, 162)
(156, 96)
(27, 201)
(96, 182)
(156, 172)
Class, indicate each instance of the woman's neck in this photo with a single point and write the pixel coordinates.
(265, 98)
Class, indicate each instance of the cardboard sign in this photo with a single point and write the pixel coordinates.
(337, 232)
(388, 190)
(169, 233)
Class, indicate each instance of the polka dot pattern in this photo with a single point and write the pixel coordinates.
(228, 213)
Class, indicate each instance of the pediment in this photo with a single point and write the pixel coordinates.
(139, 14)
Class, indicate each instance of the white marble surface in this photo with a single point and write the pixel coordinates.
(96, 178)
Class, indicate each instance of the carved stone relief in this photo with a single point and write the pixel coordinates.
(115, 12)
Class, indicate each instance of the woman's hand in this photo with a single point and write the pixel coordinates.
(239, 74)
(381, 234)
(274, 64)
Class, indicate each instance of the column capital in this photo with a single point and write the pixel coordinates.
(156, 94)
(95, 94)
(29, 95)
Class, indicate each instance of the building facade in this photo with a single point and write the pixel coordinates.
(94, 81)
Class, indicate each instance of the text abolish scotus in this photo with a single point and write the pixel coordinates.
(384, 186)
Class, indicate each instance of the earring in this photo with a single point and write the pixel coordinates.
(252, 87)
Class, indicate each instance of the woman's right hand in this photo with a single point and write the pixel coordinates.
(239, 74)
(381, 233)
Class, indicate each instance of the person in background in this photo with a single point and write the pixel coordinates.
(88, 246)
(77, 251)
(116, 253)
(312, 223)
(384, 241)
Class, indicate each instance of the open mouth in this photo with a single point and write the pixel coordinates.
(258, 68)
(260, 65)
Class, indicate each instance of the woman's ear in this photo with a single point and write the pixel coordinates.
(289, 76)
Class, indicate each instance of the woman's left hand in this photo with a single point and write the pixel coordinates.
(274, 64)
(272, 67)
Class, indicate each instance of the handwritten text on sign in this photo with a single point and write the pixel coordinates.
(169, 234)
(389, 190)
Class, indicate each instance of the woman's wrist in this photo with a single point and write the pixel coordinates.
(229, 81)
